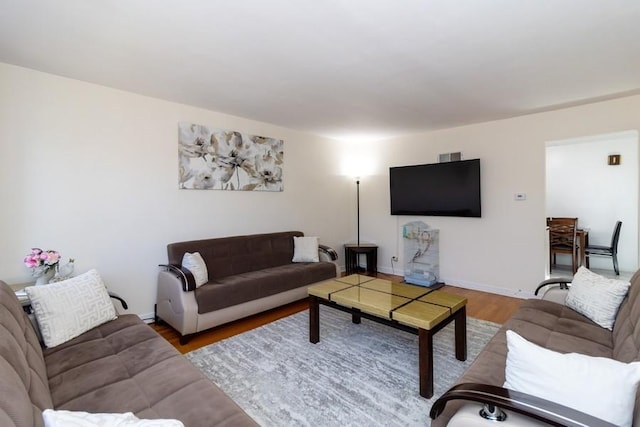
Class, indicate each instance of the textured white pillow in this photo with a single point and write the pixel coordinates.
(604, 388)
(63, 418)
(305, 249)
(69, 308)
(195, 264)
(596, 297)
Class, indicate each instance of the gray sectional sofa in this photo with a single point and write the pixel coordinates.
(120, 366)
(246, 275)
(550, 324)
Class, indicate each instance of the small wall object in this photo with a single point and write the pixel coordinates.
(614, 159)
(218, 159)
(450, 157)
(421, 254)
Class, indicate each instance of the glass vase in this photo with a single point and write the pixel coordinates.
(44, 278)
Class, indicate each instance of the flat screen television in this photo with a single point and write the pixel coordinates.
(438, 189)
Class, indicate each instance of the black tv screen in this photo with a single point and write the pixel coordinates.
(438, 189)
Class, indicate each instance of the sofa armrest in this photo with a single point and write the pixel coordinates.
(554, 289)
(175, 306)
(539, 409)
(562, 282)
(330, 252)
(119, 298)
(185, 276)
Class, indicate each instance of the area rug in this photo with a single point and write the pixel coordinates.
(357, 375)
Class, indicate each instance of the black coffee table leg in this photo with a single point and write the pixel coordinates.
(355, 316)
(314, 319)
(425, 362)
(461, 334)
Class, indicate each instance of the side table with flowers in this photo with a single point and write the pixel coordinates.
(45, 266)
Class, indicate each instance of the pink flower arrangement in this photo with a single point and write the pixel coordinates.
(40, 261)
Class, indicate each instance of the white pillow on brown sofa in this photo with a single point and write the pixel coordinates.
(196, 265)
(305, 249)
(70, 308)
(596, 296)
(598, 386)
(63, 418)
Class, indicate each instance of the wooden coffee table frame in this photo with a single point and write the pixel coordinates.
(425, 336)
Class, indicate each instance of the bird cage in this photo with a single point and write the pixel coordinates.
(421, 254)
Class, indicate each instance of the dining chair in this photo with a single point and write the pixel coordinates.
(562, 240)
(611, 251)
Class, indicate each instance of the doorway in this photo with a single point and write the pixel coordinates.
(581, 182)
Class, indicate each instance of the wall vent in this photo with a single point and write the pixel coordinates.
(450, 157)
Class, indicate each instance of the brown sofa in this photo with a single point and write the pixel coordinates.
(556, 327)
(120, 366)
(247, 275)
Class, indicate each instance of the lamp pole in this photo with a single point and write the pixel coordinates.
(358, 207)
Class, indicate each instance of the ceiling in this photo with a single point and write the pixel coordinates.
(339, 68)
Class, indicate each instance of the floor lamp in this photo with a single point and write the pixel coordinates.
(358, 206)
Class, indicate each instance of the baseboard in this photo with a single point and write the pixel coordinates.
(147, 318)
(515, 293)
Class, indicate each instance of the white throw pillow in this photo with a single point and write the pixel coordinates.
(596, 297)
(69, 308)
(63, 418)
(195, 264)
(604, 388)
(305, 249)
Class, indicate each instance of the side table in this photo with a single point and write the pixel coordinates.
(352, 252)
(18, 289)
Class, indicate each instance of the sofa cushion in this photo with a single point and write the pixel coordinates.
(546, 324)
(559, 328)
(305, 249)
(125, 366)
(196, 265)
(249, 286)
(228, 256)
(25, 390)
(626, 330)
(64, 418)
(596, 297)
(69, 308)
(599, 386)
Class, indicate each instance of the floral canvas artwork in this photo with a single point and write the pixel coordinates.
(218, 159)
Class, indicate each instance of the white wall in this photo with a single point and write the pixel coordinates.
(580, 183)
(504, 251)
(93, 173)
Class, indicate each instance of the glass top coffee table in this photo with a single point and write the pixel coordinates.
(416, 309)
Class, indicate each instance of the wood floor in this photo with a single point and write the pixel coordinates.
(481, 305)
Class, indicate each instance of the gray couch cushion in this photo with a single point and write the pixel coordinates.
(545, 323)
(559, 328)
(239, 288)
(228, 256)
(626, 330)
(123, 366)
(24, 390)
